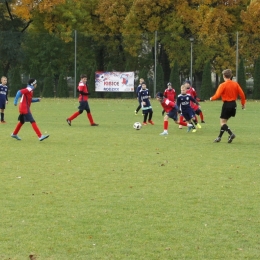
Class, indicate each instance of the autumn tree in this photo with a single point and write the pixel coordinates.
(206, 85)
(175, 77)
(241, 77)
(256, 90)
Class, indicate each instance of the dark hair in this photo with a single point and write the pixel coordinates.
(159, 95)
(31, 81)
(83, 76)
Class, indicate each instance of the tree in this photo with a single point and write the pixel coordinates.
(62, 88)
(48, 85)
(206, 85)
(159, 79)
(175, 77)
(256, 90)
(241, 77)
(16, 82)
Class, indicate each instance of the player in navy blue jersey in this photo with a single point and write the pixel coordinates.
(144, 99)
(3, 98)
(183, 103)
(141, 80)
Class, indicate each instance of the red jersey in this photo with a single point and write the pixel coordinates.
(170, 94)
(167, 105)
(26, 100)
(192, 92)
(84, 88)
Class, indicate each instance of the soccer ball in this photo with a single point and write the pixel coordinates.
(137, 126)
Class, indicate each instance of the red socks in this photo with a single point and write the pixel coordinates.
(90, 118)
(74, 115)
(17, 129)
(36, 129)
(165, 125)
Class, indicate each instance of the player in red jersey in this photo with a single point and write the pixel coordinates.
(169, 93)
(83, 101)
(26, 95)
(171, 110)
(193, 93)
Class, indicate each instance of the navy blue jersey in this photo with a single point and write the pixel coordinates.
(3, 94)
(143, 96)
(183, 101)
(138, 89)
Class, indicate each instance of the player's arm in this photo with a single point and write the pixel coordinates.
(194, 100)
(36, 100)
(242, 96)
(83, 93)
(17, 96)
(218, 93)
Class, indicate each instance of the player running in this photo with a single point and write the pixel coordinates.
(183, 103)
(171, 110)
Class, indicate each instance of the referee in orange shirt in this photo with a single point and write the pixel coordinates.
(228, 91)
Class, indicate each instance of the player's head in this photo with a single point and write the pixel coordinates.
(227, 73)
(32, 82)
(83, 78)
(141, 80)
(159, 96)
(183, 89)
(169, 85)
(187, 83)
(143, 85)
(4, 80)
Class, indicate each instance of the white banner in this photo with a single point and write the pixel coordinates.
(114, 81)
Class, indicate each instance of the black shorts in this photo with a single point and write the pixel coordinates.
(83, 105)
(173, 114)
(26, 118)
(229, 109)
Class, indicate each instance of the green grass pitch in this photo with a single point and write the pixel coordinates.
(111, 192)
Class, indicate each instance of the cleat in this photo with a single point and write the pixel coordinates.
(68, 121)
(144, 123)
(230, 138)
(3, 122)
(217, 140)
(16, 137)
(180, 126)
(164, 133)
(136, 112)
(151, 122)
(203, 122)
(94, 124)
(198, 125)
(194, 131)
(189, 128)
(43, 137)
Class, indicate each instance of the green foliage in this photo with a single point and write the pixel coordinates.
(62, 88)
(159, 79)
(241, 77)
(256, 90)
(175, 77)
(15, 81)
(48, 85)
(206, 85)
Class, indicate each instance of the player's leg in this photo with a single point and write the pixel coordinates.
(89, 115)
(2, 110)
(165, 125)
(137, 109)
(150, 116)
(145, 114)
(18, 127)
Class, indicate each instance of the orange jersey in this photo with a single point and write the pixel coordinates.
(229, 91)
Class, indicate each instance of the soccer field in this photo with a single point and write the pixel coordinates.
(112, 192)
